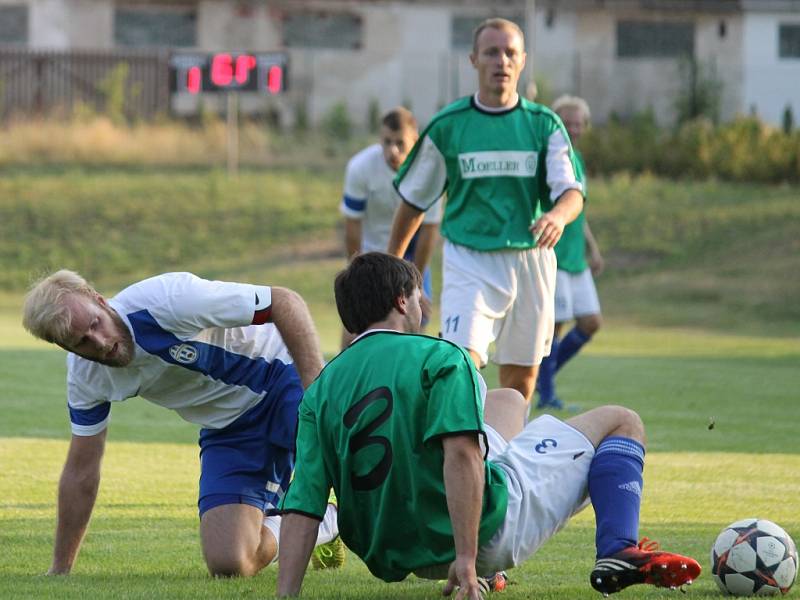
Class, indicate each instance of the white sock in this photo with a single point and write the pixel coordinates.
(329, 527)
(273, 523)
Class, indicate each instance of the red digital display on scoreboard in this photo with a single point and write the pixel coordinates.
(192, 72)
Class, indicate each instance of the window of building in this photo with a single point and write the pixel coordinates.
(463, 28)
(155, 26)
(650, 39)
(13, 24)
(336, 31)
(789, 41)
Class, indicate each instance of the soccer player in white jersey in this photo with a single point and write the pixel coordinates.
(233, 358)
(370, 200)
(500, 158)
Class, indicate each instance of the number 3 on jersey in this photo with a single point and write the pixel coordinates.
(363, 438)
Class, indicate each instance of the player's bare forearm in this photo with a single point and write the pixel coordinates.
(426, 243)
(595, 258)
(298, 535)
(549, 227)
(352, 237)
(293, 320)
(407, 220)
(77, 492)
(464, 482)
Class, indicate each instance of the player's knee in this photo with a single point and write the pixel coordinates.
(235, 564)
(628, 423)
(590, 324)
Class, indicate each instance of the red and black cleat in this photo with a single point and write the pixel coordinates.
(644, 563)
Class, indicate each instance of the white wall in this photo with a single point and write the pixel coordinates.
(770, 83)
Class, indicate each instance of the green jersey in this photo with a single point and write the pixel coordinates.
(498, 168)
(571, 248)
(371, 427)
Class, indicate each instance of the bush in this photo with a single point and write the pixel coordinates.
(337, 124)
(745, 149)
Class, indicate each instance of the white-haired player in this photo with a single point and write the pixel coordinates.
(579, 258)
(231, 357)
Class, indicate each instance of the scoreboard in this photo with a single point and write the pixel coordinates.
(196, 72)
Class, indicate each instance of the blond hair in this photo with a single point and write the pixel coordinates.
(496, 23)
(45, 314)
(567, 101)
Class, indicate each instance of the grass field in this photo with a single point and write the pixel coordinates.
(696, 330)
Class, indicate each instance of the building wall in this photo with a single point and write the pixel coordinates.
(406, 54)
(588, 64)
(770, 83)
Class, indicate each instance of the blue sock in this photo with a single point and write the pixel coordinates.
(546, 384)
(569, 346)
(615, 487)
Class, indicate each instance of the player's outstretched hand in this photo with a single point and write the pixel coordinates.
(547, 230)
(462, 577)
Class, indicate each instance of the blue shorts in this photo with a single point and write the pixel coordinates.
(251, 460)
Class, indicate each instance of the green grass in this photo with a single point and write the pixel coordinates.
(701, 324)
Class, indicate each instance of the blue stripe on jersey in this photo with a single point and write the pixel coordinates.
(89, 416)
(257, 374)
(355, 203)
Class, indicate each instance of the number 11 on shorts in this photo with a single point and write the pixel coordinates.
(451, 324)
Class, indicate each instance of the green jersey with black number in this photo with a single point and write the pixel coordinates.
(571, 248)
(371, 426)
(498, 169)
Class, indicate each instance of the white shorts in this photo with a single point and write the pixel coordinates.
(547, 472)
(576, 295)
(504, 297)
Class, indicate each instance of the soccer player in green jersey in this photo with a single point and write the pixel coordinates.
(434, 475)
(499, 157)
(579, 259)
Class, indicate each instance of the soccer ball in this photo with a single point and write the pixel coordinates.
(754, 557)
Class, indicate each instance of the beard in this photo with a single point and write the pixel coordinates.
(125, 346)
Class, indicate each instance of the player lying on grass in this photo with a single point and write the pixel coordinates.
(231, 357)
(435, 476)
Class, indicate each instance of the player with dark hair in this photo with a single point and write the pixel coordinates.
(231, 357)
(370, 200)
(435, 475)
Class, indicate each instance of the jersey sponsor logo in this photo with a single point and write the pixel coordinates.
(185, 354)
(497, 164)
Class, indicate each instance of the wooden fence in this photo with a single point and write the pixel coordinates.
(37, 83)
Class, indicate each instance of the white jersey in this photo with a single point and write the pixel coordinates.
(369, 195)
(195, 352)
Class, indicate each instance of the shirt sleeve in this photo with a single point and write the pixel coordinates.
(455, 393)
(89, 411)
(422, 178)
(562, 174)
(433, 215)
(308, 492)
(195, 304)
(354, 199)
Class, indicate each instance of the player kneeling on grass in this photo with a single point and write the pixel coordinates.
(231, 357)
(435, 475)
